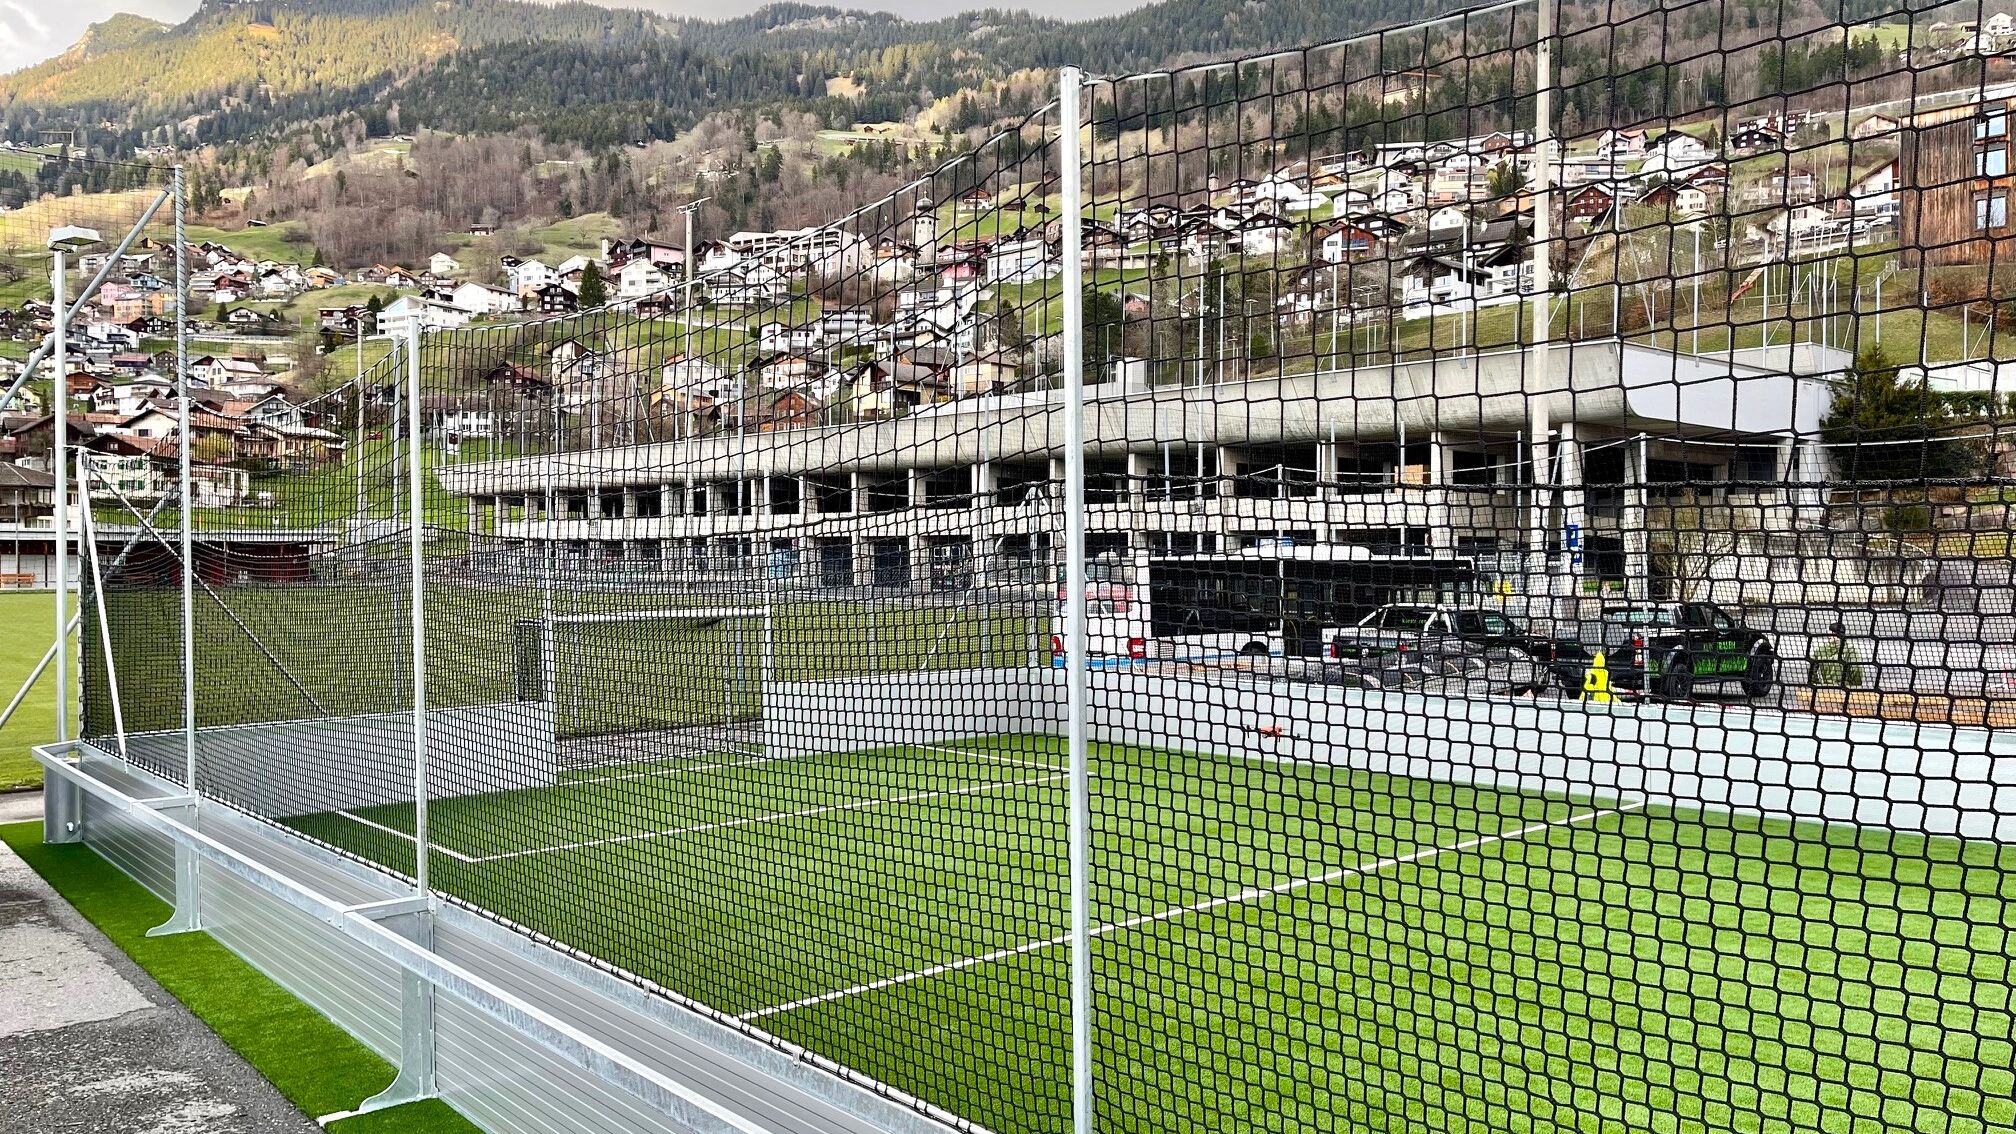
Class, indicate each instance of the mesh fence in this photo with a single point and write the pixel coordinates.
(114, 222)
(1547, 641)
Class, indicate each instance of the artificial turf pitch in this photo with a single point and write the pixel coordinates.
(1276, 947)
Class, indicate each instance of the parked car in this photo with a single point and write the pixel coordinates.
(1667, 649)
(1449, 668)
(1476, 625)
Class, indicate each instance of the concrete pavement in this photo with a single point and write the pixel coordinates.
(90, 1043)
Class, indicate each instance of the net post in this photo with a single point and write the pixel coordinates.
(1070, 86)
(415, 1079)
(185, 494)
(1539, 450)
(59, 464)
(417, 554)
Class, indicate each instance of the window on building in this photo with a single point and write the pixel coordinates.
(1991, 210)
(1991, 161)
(1473, 468)
(1992, 124)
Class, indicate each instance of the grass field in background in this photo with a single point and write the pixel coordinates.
(285, 241)
(27, 623)
(1276, 946)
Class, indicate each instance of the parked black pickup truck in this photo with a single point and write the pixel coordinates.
(1668, 648)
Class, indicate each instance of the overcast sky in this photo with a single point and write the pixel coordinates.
(33, 30)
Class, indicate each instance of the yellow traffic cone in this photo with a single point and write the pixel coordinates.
(1596, 680)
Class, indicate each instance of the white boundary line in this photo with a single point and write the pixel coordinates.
(432, 846)
(1251, 893)
(777, 816)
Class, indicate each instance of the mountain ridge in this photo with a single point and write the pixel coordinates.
(260, 69)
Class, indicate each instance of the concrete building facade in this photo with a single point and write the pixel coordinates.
(1467, 453)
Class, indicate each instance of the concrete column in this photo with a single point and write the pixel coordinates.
(1574, 510)
(1141, 466)
(915, 482)
(1634, 521)
(594, 503)
(984, 485)
(1441, 533)
(475, 505)
(1539, 453)
(864, 559)
(859, 494)
(500, 513)
(629, 504)
(1326, 472)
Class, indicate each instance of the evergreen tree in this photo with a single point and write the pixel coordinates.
(1876, 418)
(1104, 322)
(594, 289)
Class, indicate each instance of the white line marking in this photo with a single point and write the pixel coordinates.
(1251, 893)
(991, 756)
(665, 772)
(336, 1117)
(431, 846)
(857, 805)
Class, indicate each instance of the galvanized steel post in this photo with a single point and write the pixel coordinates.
(1071, 83)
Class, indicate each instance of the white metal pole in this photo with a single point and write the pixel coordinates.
(1075, 582)
(1336, 302)
(59, 464)
(186, 500)
(1697, 287)
(1203, 286)
(88, 536)
(357, 445)
(416, 531)
(1543, 233)
(1218, 357)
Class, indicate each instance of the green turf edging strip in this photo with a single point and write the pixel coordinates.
(318, 1066)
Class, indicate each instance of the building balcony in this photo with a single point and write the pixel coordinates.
(1468, 509)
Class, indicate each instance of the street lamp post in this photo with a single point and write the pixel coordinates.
(62, 242)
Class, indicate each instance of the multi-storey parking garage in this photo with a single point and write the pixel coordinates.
(1471, 453)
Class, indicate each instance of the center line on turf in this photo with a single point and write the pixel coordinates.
(432, 847)
(776, 816)
(1250, 894)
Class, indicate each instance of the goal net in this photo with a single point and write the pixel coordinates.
(649, 684)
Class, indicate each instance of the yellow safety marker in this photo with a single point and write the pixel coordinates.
(1596, 680)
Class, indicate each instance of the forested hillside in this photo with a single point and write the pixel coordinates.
(240, 71)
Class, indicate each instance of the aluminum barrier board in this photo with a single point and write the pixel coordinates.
(517, 1035)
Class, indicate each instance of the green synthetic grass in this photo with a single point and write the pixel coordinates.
(1426, 956)
(27, 625)
(314, 1063)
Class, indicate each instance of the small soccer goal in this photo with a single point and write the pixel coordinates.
(636, 685)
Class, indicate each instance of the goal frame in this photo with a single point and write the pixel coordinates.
(549, 663)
